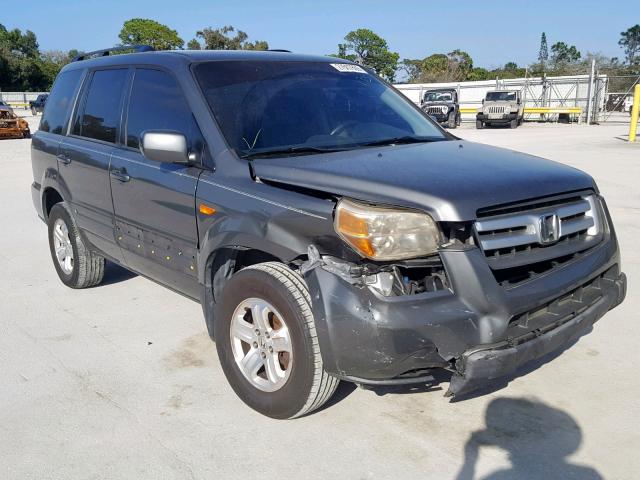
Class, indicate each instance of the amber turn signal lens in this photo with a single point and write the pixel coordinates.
(206, 209)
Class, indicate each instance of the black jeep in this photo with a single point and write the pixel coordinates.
(330, 229)
(442, 105)
(37, 105)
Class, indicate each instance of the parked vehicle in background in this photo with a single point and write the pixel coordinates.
(628, 104)
(442, 105)
(12, 126)
(330, 230)
(4, 106)
(501, 107)
(37, 105)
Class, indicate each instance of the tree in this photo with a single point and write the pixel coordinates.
(455, 66)
(460, 64)
(543, 53)
(562, 54)
(194, 45)
(143, 31)
(219, 39)
(412, 68)
(630, 41)
(479, 73)
(510, 66)
(369, 49)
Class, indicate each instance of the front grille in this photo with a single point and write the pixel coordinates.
(435, 111)
(529, 239)
(500, 110)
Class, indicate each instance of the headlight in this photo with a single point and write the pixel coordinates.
(385, 233)
(444, 109)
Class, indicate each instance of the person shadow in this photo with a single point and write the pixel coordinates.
(538, 439)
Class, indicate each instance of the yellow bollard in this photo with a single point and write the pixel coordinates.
(635, 110)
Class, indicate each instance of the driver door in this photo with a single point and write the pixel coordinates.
(154, 202)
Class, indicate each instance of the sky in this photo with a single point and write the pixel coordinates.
(493, 32)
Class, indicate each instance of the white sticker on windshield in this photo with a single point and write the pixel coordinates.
(348, 68)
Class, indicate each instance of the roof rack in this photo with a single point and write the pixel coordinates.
(107, 51)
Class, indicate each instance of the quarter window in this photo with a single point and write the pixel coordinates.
(101, 113)
(54, 119)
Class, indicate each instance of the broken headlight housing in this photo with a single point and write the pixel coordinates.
(383, 233)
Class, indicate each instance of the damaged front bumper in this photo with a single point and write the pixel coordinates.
(476, 328)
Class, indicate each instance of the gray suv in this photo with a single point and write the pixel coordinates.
(329, 229)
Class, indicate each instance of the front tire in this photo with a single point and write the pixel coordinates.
(34, 112)
(451, 120)
(75, 264)
(513, 123)
(479, 124)
(267, 342)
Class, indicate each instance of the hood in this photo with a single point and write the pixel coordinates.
(499, 103)
(451, 180)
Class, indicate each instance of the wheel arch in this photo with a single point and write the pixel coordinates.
(50, 197)
(219, 266)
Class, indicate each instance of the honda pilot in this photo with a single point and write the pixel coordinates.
(329, 228)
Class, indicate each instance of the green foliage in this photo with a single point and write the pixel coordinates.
(455, 66)
(194, 45)
(561, 54)
(220, 39)
(479, 73)
(370, 50)
(143, 31)
(22, 66)
(543, 53)
(630, 41)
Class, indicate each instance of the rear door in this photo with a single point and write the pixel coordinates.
(85, 154)
(154, 202)
(53, 125)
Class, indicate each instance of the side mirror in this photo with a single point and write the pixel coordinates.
(165, 146)
(483, 101)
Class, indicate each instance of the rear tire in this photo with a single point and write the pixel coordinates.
(252, 303)
(479, 124)
(75, 264)
(34, 112)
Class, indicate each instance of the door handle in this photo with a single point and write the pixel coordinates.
(120, 175)
(64, 158)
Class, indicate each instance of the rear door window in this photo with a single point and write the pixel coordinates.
(157, 103)
(100, 114)
(55, 117)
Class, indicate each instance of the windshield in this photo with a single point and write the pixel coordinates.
(501, 96)
(271, 106)
(438, 97)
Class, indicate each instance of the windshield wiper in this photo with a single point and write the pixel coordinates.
(399, 141)
(290, 151)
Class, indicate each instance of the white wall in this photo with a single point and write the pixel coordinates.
(558, 91)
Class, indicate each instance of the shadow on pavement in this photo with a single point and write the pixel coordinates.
(114, 273)
(538, 439)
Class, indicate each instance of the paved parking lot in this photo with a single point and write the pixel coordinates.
(122, 382)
